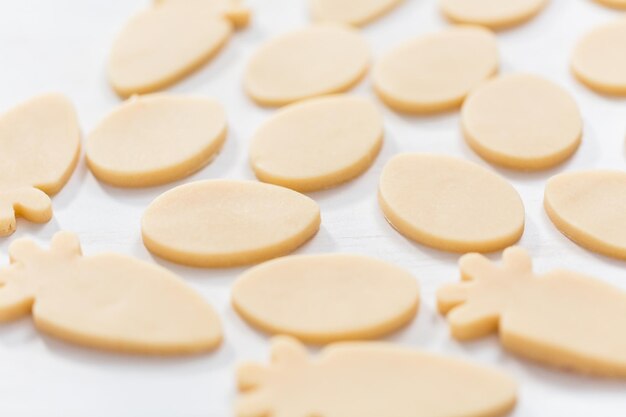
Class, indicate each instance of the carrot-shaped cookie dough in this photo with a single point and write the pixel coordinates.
(561, 318)
(368, 379)
(40, 142)
(106, 301)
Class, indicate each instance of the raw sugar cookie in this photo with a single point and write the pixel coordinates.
(435, 72)
(156, 139)
(40, 142)
(589, 208)
(561, 318)
(522, 121)
(368, 379)
(494, 14)
(106, 301)
(164, 43)
(317, 60)
(326, 298)
(618, 4)
(222, 223)
(317, 143)
(599, 59)
(449, 203)
(351, 12)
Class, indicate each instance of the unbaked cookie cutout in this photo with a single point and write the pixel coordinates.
(107, 301)
(522, 121)
(450, 204)
(351, 12)
(224, 223)
(561, 318)
(326, 298)
(314, 61)
(40, 142)
(588, 208)
(494, 14)
(599, 59)
(317, 143)
(617, 4)
(155, 139)
(370, 379)
(435, 72)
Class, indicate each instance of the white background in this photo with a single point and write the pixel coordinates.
(62, 45)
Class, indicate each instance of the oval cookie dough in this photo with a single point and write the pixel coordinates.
(522, 121)
(317, 60)
(317, 143)
(450, 204)
(494, 14)
(589, 207)
(435, 72)
(222, 223)
(618, 4)
(326, 298)
(155, 139)
(351, 12)
(599, 59)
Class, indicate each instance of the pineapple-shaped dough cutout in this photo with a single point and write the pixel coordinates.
(561, 318)
(39, 149)
(105, 301)
(369, 379)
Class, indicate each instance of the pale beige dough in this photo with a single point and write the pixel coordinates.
(494, 14)
(522, 121)
(309, 62)
(156, 139)
(317, 143)
(449, 203)
(351, 12)
(234, 10)
(589, 208)
(222, 223)
(435, 72)
(561, 318)
(163, 44)
(326, 298)
(618, 4)
(368, 379)
(40, 142)
(599, 58)
(105, 301)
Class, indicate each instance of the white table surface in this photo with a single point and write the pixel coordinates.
(63, 45)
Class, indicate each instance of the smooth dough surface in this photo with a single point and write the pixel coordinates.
(522, 121)
(351, 12)
(309, 62)
(589, 207)
(599, 59)
(618, 4)
(494, 14)
(155, 139)
(561, 318)
(326, 298)
(40, 142)
(317, 143)
(368, 379)
(105, 301)
(222, 223)
(435, 72)
(449, 203)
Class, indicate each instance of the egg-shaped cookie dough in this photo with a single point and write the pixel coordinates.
(494, 14)
(317, 143)
(435, 72)
(223, 223)
(156, 139)
(351, 12)
(599, 59)
(326, 298)
(522, 121)
(617, 4)
(450, 204)
(589, 208)
(317, 60)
